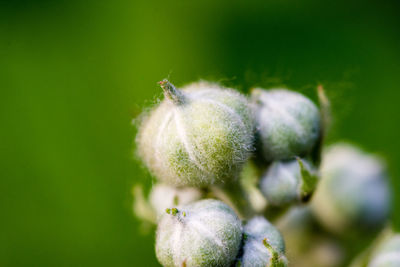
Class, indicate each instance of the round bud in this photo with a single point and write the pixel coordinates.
(288, 123)
(263, 245)
(353, 192)
(197, 136)
(287, 182)
(203, 233)
(388, 253)
(163, 196)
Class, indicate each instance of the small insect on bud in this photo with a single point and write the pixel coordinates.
(198, 136)
(288, 182)
(288, 123)
(203, 233)
(163, 196)
(353, 193)
(387, 254)
(263, 245)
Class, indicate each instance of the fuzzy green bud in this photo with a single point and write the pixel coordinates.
(203, 233)
(198, 136)
(263, 245)
(163, 196)
(288, 182)
(288, 123)
(388, 253)
(353, 192)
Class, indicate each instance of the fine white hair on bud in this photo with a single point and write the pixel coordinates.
(263, 245)
(353, 192)
(163, 196)
(203, 233)
(288, 182)
(387, 254)
(288, 123)
(198, 136)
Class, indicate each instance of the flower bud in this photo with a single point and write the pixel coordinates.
(353, 193)
(287, 182)
(203, 233)
(263, 245)
(164, 196)
(288, 123)
(388, 253)
(197, 136)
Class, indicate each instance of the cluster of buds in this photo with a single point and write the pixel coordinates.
(231, 170)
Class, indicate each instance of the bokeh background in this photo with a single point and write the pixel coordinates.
(73, 74)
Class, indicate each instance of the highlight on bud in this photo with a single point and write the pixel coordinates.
(289, 182)
(203, 233)
(288, 123)
(198, 136)
(263, 245)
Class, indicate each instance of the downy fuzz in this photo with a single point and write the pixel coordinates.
(198, 136)
(203, 233)
(288, 123)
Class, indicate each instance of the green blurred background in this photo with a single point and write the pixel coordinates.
(73, 74)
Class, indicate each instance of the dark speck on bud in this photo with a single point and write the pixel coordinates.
(244, 236)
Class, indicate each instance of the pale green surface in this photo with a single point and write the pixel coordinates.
(200, 141)
(205, 233)
(288, 123)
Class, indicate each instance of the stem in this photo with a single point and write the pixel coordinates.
(172, 93)
(273, 214)
(326, 118)
(235, 196)
(362, 259)
(141, 206)
(325, 109)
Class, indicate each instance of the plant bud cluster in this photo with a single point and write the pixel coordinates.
(209, 212)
